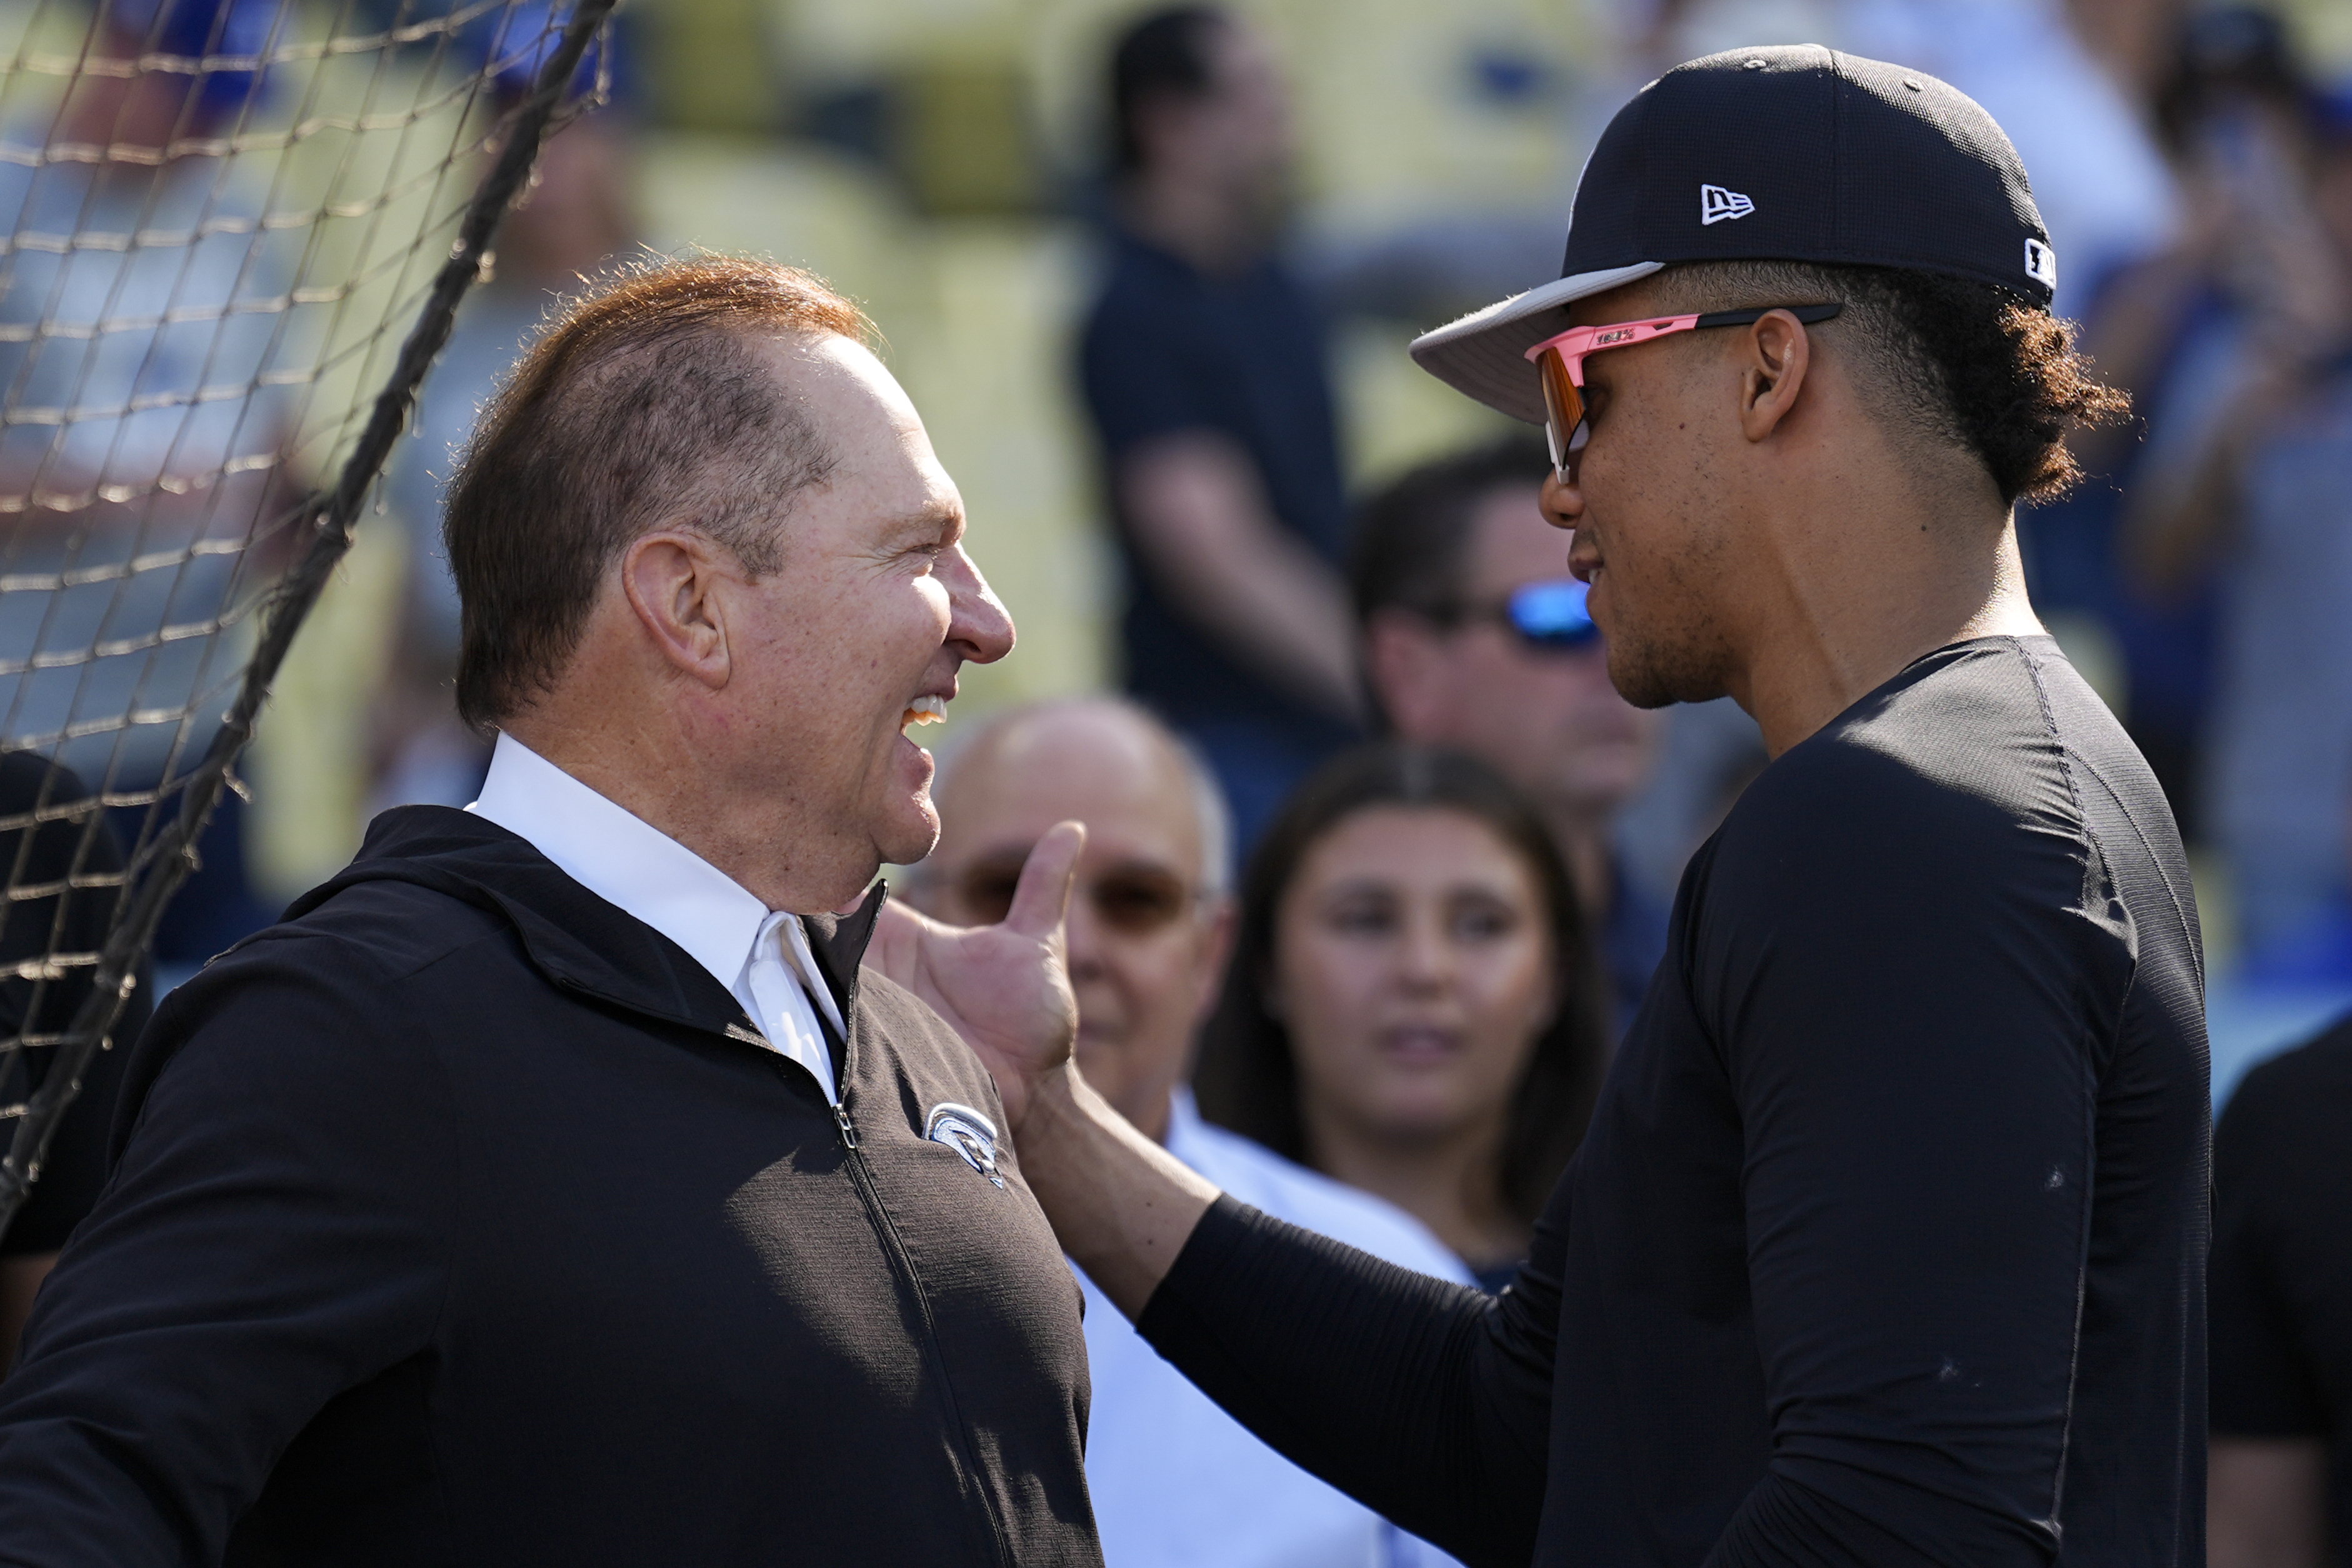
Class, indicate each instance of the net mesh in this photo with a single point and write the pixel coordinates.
(237, 232)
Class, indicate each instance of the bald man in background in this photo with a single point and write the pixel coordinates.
(1177, 1483)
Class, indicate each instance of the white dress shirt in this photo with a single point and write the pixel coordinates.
(761, 957)
(1177, 1482)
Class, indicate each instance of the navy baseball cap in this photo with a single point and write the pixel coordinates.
(1794, 153)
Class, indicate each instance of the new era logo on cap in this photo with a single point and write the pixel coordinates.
(2040, 263)
(1715, 205)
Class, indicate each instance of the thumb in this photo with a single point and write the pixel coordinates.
(1042, 900)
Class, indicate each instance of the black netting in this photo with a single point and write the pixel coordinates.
(236, 231)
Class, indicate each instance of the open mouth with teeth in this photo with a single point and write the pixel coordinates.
(924, 710)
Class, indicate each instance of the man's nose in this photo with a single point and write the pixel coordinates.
(1562, 502)
(979, 625)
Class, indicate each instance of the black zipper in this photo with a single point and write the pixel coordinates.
(905, 1266)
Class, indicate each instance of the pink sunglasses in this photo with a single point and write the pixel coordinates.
(1559, 362)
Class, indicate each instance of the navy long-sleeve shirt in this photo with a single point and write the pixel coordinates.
(1886, 1246)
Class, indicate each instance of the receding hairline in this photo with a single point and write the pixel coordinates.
(984, 752)
(1071, 721)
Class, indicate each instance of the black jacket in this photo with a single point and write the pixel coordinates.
(456, 1223)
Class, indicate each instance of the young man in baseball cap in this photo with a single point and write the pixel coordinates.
(1886, 1243)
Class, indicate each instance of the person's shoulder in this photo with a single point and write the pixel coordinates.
(1967, 740)
(1140, 289)
(337, 1011)
(22, 776)
(1954, 792)
(2308, 1084)
(372, 952)
(385, 930)
(1290, 1192)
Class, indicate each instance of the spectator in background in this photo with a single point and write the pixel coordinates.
(2248, 483)
(1475, 636)
(573, 223)
(2173, 331)
(48, 839)
(2280, 1468)
(1177, 1483)
(143, 505)
(1413, 1007)
(1202, 368)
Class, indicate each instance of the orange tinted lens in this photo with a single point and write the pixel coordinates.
(1563, 406)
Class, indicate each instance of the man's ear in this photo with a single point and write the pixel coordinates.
(1775, 352)
(1404, 654)
(671, 579)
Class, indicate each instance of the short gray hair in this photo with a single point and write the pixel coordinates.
(1214, 818)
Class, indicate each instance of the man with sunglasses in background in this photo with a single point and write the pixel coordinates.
(1475, 636)
(1176, 1482)
(1887, 1242)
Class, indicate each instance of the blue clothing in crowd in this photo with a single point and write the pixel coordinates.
(2278, 775)
(1170, 350)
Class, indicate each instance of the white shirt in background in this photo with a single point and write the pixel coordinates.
(1177, 1482)
(761, 957)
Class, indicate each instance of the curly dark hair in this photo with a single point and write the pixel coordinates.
(1965, 365)
(1247, 1079)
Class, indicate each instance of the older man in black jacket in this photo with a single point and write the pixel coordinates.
(550, 1188)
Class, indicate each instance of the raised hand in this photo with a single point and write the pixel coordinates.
(1005, 988)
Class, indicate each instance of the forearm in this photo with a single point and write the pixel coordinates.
(2266, 1503)
(1276, 607)
(1196, 514)
(1121, 1206)
(1420, 1398)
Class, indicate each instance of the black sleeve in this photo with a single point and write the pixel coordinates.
(2266, 1383)
(1910, 1011)
(273, 1235)
(71, 920)
(1426, 1402)
(1133, 372)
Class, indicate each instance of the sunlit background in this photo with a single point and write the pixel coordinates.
(940, 162)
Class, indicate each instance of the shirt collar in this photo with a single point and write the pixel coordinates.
(1183, 1126)
(623, 858)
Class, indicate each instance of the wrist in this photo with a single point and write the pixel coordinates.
(1060, 1107)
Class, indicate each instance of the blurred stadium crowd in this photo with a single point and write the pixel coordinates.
(1152, 301)
(956, 165)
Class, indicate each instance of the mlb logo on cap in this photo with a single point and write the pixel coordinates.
(1796, 154)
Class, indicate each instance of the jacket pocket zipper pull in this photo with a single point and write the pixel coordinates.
(840, 1120)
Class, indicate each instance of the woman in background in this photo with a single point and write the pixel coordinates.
(1413, 1007)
